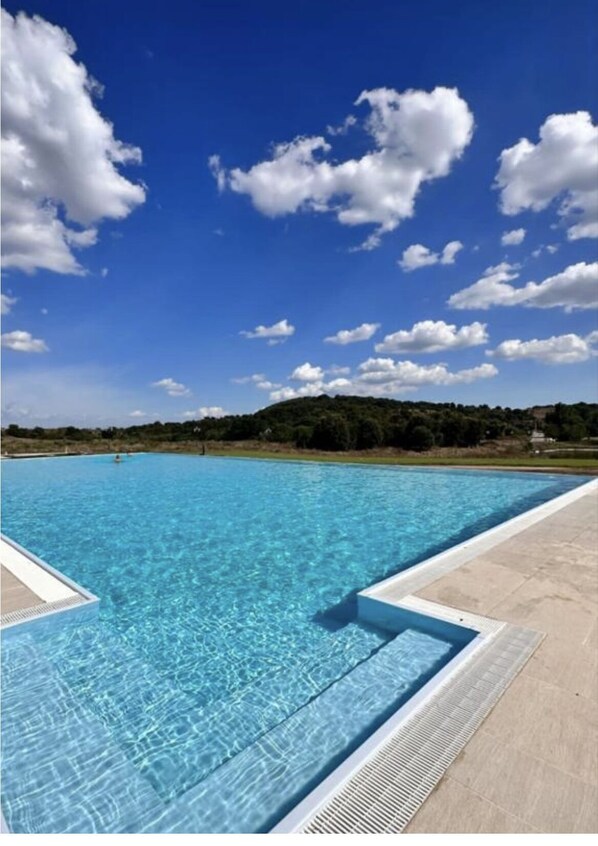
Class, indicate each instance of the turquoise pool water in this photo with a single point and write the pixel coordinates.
(226, 672)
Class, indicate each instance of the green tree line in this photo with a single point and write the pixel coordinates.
(344, 422)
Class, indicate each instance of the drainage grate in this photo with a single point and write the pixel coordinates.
(39, 610)
(383, 796)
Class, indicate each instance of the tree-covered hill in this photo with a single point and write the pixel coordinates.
(345, 422)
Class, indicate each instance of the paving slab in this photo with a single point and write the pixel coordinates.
(453, 808)
(15, 596)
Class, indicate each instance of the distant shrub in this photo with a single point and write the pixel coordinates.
(369, 434)
(420, 438)
(303, 436)
(331, 433)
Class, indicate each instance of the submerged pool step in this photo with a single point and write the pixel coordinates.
(209, 736)
(92, 784)
(259, 785)
(172, 742)
(62, 757)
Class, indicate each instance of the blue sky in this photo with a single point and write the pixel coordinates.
(129, 276)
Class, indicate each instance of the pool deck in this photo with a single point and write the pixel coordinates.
(533, 764)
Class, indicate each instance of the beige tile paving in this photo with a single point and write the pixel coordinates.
(573, 569)
(540, 795)
(553, 724)
(591, 640)
(551, 606)
(519, 560)
(477, 586)
(569, 665)
(533, 765)
(455, 809)
(15, 596)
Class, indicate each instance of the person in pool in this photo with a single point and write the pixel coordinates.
(117, 459)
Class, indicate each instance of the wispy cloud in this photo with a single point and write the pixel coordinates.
(6, 303)
(512, 238)
(172, 388)
(23, 342)
(78, 395)
(352, 336)
(275, 334)
(417, 256)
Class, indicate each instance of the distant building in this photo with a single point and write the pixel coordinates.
(537, 438)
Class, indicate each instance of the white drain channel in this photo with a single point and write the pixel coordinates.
(392, 784)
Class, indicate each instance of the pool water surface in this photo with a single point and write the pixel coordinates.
(226, 672)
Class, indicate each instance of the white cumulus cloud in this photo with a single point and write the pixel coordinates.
(417, 136)
(275, 334)
(138, 413)
(417, 256)
(23, 342)
(309, 389)
(430, 336)
(172, 388)
(513, 237)
(307, 373)
(576, 287)
(561, 166)
(60, 158)
(350, 336)
(206, 411)
(558, 349)
(401, 374)
(380, 377)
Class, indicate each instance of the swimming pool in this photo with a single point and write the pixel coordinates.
(226, 673)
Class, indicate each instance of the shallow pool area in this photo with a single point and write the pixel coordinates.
(226, 672)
